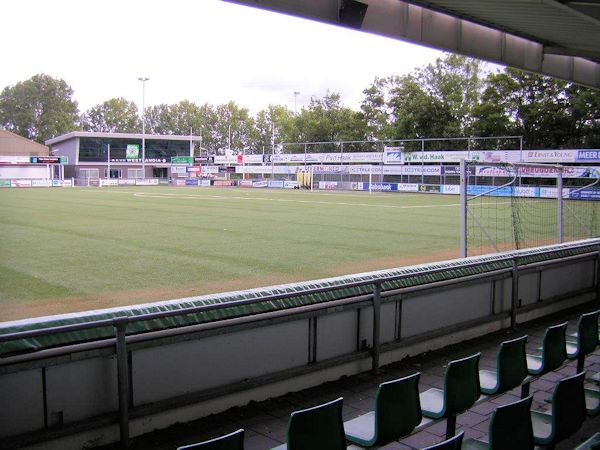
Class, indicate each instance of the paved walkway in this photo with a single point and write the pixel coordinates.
(265, 422)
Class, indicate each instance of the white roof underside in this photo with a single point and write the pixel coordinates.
(555, 38)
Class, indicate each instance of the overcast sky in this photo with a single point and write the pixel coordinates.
(197, 50)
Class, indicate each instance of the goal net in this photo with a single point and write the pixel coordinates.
(514, 206)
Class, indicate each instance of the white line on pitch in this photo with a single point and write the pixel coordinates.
(221, 197)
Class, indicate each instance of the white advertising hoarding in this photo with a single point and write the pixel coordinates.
(539, 172)
(549, 156)
(239, 159)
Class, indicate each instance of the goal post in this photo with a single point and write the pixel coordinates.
(508, 206)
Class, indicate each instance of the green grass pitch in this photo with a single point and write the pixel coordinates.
(73, 249)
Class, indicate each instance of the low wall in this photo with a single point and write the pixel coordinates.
(170, 363)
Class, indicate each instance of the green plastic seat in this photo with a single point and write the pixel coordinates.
(511, 367)
(453, 443)
(231, 441)
(318, 428)
(397, 413)
(461, 391)
(510, 428)
(592, 443)
(568, 412)
(587, 339)
(553, 351)
(592, 402)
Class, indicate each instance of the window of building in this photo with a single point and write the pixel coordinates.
(135, 173)
(159, 172)
(89, 173)
(114, 173)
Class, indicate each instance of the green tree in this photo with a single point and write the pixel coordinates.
(536, 105)
(492, 115)
(327, 120)
(454, 83)
(39, 108)
(235, 122)
(584, 114)
(437, 100)
(274, 125)
(116, 115)
(375, 108)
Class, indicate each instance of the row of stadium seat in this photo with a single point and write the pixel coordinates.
(401, 410)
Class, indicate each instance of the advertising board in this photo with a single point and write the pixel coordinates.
(288, 184)
(245, 183)
(210, 169)
(113, 182)
(588, 155)
(526, 191)
(132, 151)
(276, 184)
(222, 183)
(178, 170)
(204, 183)
(538, 172)
(45, 159)
(453, 189)
(434, 188)
(41, 183)
(191, 182)
(204, 159)
(127, 182)
(349, 157)
(4, 183)
(186, 160)
(21, 183)
(383, 187)
(147, 182)
(408, 187)
(328, 185)
(238, 159)
(549, 156)
(260, 184)
(585, 194)
(393, 155)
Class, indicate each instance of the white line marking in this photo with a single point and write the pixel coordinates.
(281, 200)
(316, 202)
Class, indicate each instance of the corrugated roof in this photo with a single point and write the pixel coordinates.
(571, 28)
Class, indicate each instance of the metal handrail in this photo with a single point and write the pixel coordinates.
(125, 320)
(204, 308)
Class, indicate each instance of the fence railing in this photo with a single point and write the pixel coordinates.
(381, 288)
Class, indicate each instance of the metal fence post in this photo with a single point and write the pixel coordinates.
(376, 325)
(463, 208)
(123, 381)
(514, 293)
(598, 276)
(559, 198)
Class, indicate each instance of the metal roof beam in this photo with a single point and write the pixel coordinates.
(405, 21)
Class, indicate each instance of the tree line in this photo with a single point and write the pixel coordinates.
(454, 96)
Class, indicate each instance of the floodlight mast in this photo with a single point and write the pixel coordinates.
(143, 80)
(296, 94)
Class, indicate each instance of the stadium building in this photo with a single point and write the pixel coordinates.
(21, 158)
(120, 155)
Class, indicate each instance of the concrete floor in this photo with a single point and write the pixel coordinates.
(265, 422)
